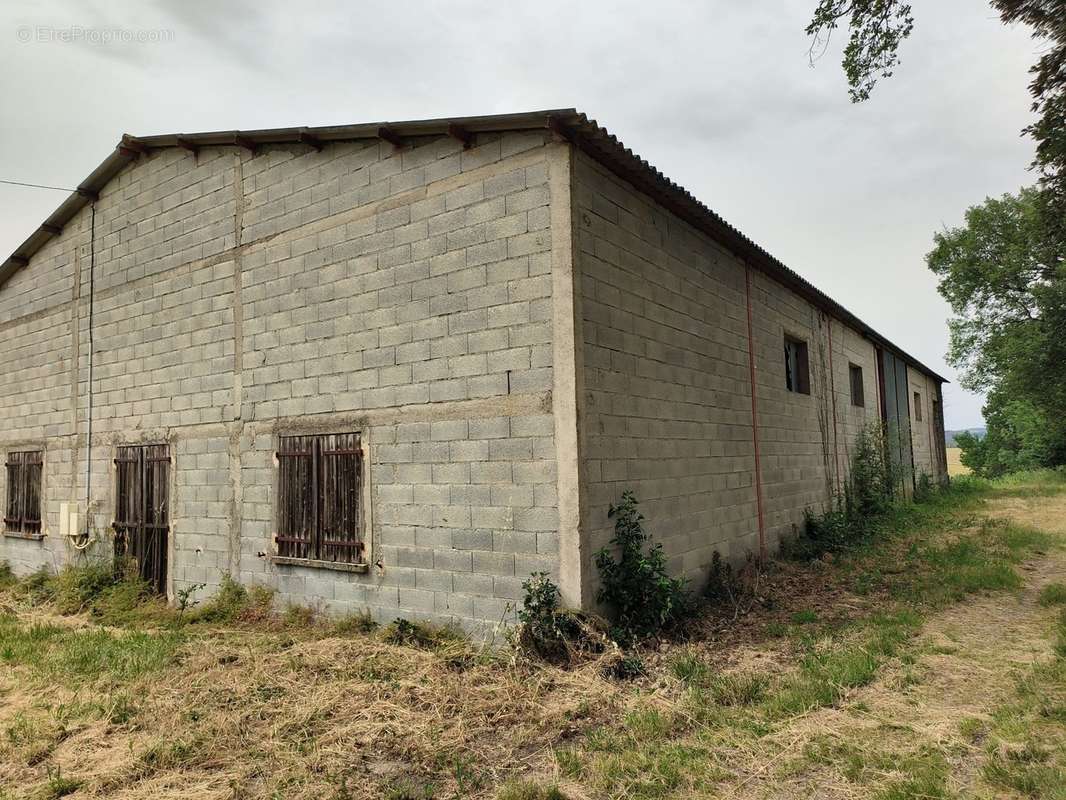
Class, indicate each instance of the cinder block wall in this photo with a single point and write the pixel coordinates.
(923, 433)
(405, 294)
(666, 404)
(666, 407)
(851, 348)
(38, 343)
(421, 297)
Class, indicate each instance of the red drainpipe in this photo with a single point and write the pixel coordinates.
(755, 419)
(833, 392)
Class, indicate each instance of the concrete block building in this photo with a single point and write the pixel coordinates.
(401, 367)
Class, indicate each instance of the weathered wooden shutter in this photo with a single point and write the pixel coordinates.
(142, 523)
(23, 509)
(13, 509)
(319, 497)
(341, 476)
(297, 489)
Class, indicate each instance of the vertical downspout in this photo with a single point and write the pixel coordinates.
(89, 419)
(755, 418)
(833, 393)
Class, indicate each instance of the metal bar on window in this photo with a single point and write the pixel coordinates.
(318, 497)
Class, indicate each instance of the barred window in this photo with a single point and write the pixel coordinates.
(23, 510)
(142, 522)
(320, 514)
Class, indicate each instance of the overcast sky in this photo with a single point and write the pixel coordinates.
(717, 94)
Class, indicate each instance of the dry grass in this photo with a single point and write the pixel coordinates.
(277, 715)
(955, 465)
(811, 692)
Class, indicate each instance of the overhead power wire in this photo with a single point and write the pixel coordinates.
(37, 186)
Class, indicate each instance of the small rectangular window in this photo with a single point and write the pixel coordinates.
(797, 370)
(857, 396)
(23, 510)
(320, 513)
(917, 407)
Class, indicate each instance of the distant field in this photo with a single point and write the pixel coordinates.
(955, 466)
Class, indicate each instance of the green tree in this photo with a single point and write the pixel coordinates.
(1004, 275)
(1019, 437)
(1004, 271)
(877, 29)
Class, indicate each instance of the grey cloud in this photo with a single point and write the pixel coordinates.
(717, 94)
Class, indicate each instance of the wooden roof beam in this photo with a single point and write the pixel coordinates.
(310, 140)
(246, 143)
(463, 135)
(387, 134)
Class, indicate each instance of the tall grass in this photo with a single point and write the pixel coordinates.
(82, 655)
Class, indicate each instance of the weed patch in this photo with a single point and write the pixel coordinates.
(636, 586)
(84, 655)
(529, 790)
(1054, 594)
(419, 634)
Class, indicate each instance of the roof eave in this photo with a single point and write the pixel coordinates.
(569, 123)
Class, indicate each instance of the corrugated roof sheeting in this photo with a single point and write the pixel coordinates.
(572, 125)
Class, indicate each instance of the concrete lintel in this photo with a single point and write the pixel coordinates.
(512, 405)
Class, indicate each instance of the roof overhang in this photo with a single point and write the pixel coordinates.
(575, 127)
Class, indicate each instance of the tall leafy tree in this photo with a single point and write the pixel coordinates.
(878, 28)
(1004, 271)
(1004, 275)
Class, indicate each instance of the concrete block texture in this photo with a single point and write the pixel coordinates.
(668, 375)
(518, 335)
(398, 293)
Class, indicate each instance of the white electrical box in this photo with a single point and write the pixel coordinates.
(68, 519)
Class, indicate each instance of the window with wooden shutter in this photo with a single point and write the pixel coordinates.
(797, 368)
(858, 397)
(22, 512)
(320, 483)
(142, 520)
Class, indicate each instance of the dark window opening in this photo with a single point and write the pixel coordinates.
(23, 511)
(320, 514)
(917, 407)
(797, 371)
(142, 523)
(858, 398)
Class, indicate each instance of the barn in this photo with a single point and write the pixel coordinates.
(402, 366)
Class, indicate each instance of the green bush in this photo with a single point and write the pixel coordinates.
(545, 629)
(7, 576)
(723, 582)
(355, 623)
(642, 597)
(854, 514)
(225, 606)
(76, 588)
(419, 634)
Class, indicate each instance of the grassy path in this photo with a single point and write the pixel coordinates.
(931, 664)
(934, 720)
